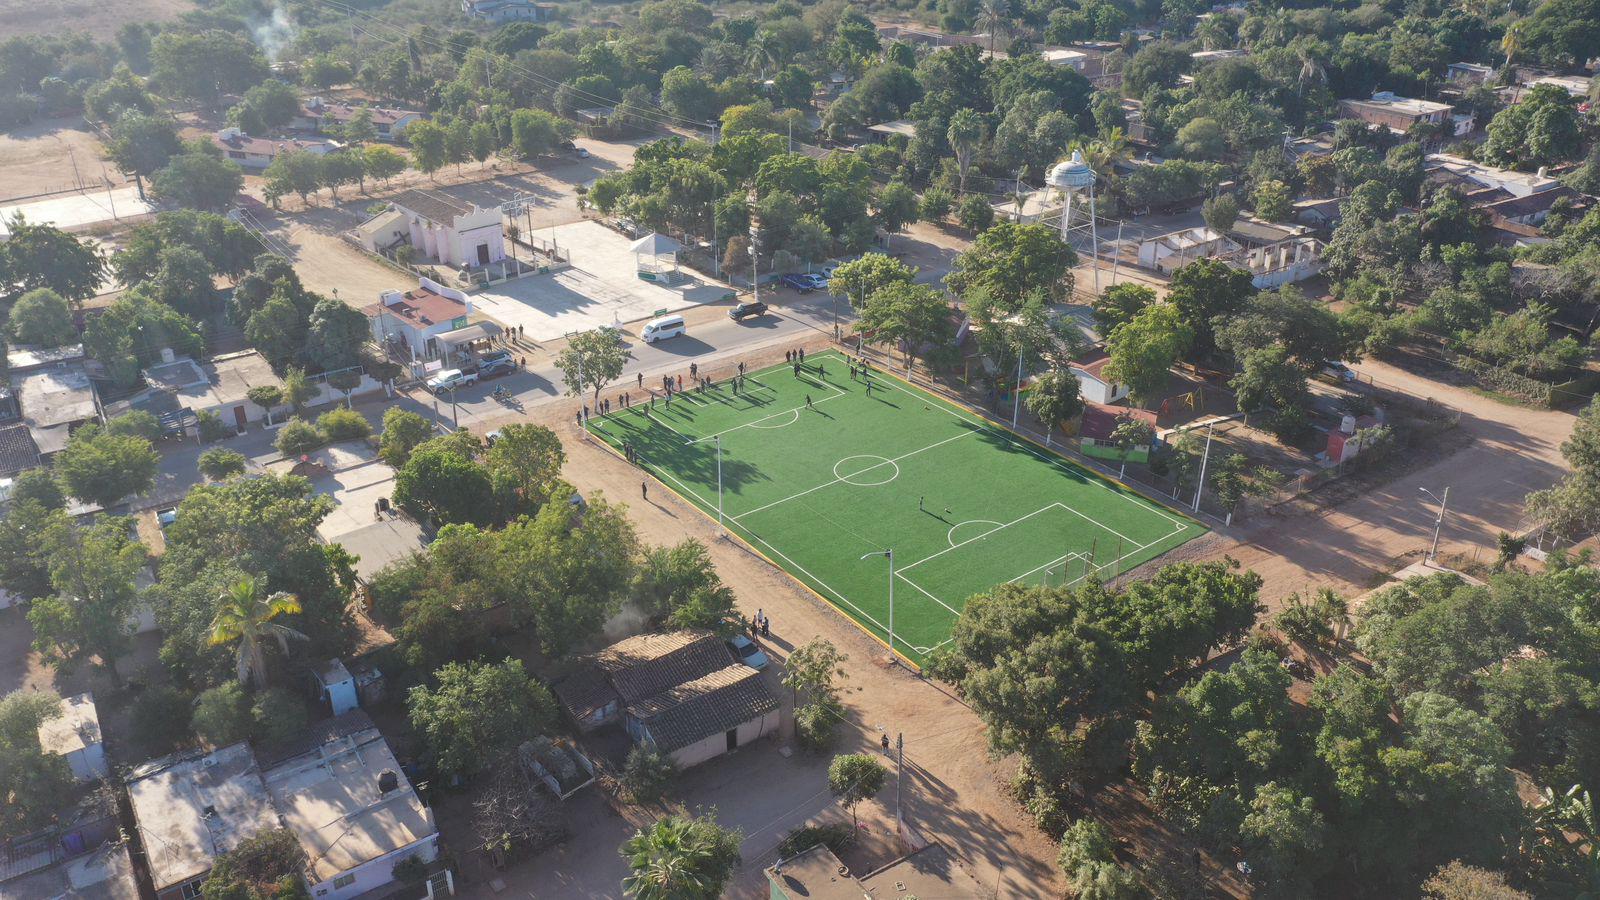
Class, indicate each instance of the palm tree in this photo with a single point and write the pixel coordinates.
(679, 858)
(965, 135)
(1312, 71)
(993, 16)
(763, 50)
(1511, 42)
(244, 614)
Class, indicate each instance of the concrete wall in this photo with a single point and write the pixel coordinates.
(717, 744)
(374, 873)
(1097, 391)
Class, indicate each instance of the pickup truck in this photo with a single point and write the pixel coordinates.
(451, 379)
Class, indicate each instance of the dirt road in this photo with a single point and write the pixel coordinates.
(1513, 450)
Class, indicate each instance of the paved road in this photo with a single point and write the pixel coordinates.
(712, 340)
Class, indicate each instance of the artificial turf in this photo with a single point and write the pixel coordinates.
(963, 504)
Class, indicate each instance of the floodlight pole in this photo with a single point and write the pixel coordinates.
(1201, 486)
(1016, 391)
(719, 482)
(888, 554)
(1438, 523)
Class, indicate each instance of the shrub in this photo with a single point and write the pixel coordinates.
(411, 870)
(160, 719)
(222, 714)
(279, 716)
(647, 774)
(975, 213)
(343, 425)
(835, 836)
(137, 423)
(936, 203)
(212, 428)
(814, 724)
(298, 436)
(219, 464)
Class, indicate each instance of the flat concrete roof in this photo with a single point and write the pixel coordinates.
(193, 807)
(105, 873)
(77, 727)
(332, 801)
(53, 399)
(815, 874)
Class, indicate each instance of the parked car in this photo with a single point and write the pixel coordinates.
(1338, 371)
(492, 355)
(747, 652)
(493, 368)
(805, 283)
(583, 153)
(746, 310)
(451, 379)
(662, 328)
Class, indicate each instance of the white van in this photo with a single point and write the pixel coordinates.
(662, 328)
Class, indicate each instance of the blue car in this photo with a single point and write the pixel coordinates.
(804, 283)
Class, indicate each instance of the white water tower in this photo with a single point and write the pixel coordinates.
(1071, 177)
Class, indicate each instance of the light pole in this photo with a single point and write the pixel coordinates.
(888, 554)
(1205, 458)
(719, 482)
(1438, 523)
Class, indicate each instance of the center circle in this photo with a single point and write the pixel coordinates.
(856, 471)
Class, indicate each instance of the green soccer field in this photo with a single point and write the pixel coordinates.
(964, 505)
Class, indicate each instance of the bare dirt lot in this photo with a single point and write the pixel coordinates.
(39, 158)
(97, 18)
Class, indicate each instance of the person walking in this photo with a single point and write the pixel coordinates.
(741, 368)
(694, 369)
(641, 380)
(644, 490)
(808, 402)
(802, 355)
(680, 382)
(788, 355)
(797, 370)
(579, 417)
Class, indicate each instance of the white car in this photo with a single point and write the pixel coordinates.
(747, 652)
(451, 379)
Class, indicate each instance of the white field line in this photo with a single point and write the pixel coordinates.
(836, 395)
(957, 546)
(797, 567)
(1055, 461)
(839, 480)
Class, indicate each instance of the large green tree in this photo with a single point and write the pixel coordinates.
(94, 571)
(474, 713)
(33, 783)
(101, 467)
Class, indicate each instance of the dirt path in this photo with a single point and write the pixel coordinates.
(1513, 450)
(953, 791)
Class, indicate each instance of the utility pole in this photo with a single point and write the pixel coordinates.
(900, 773)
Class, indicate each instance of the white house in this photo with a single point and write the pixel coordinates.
(413, 321)
(75, 734)
(439, 227)
(340, 792)
(508, 10)
(318, 115)
(1092, 382)
(352, 808)
(190, 808)
(258, 153)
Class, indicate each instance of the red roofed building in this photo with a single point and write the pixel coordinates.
(1100, 421)
(411, 322)
(319, 115)
(258, 153)
(1090, 372)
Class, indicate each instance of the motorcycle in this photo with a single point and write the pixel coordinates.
(502, 394)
